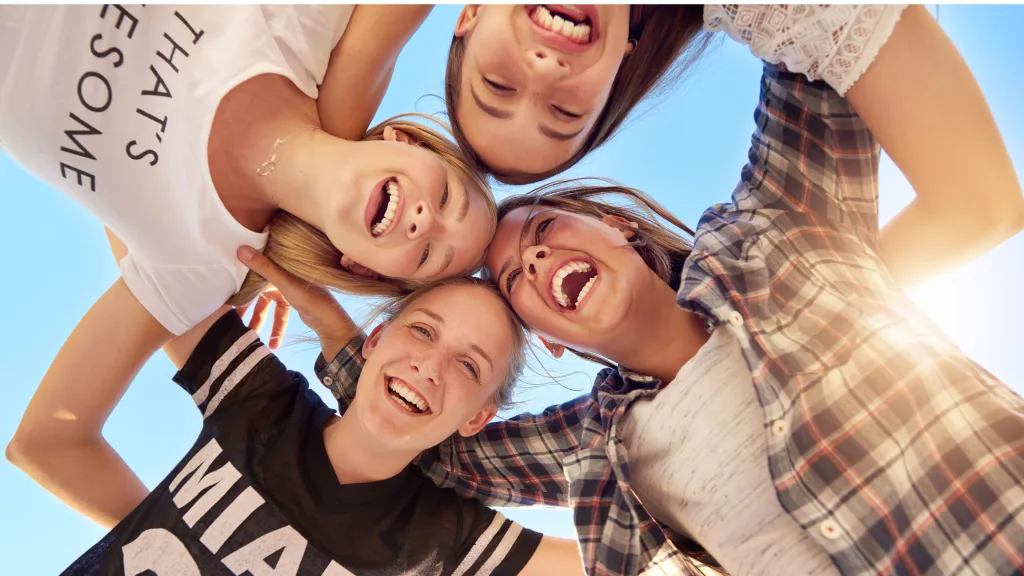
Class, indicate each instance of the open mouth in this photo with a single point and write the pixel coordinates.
(384, 216)
(407, 398)
(567, 21)
(571, 283)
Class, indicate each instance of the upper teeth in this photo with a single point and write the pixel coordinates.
(389, 216)
(408, 394)
(556, 282)
(578, 33)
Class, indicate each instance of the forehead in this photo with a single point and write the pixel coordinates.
(472, 237)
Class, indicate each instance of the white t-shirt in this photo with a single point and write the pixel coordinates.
(113, 106)
(698, 461)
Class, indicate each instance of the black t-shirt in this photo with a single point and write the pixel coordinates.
(257, 493)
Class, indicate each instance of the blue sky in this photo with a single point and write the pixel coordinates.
(687, 152)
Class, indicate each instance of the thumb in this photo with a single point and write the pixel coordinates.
(262, 265)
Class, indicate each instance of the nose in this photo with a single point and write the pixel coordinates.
(421, 221)
(533, 258)
(546, 65)
(425, 365)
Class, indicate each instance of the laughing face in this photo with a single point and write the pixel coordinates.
(535, 79)
(572, 278)
(414, 217)
(434, 369)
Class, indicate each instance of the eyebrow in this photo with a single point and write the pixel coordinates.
(464, 209)
(554, 135)
(491, 110)
(449, 255)
(437, 318)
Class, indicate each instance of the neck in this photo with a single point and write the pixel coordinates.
(671, 335)
(356, 457)
(240, 146)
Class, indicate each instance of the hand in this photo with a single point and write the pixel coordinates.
(259, 314)
(316, 306)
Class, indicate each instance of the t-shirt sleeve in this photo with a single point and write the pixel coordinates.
(831, 42)
(231, 364)
(179, 297)
(496, 545)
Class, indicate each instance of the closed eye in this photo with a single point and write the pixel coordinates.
(424, 256)
(510, 280)
(498, 87)
(566, 113)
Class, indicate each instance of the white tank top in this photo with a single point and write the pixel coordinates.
(698, 461)
(113, 106)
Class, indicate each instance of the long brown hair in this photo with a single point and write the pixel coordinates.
(503, 396)
(305, 251)
(660, 246)
(668, 40)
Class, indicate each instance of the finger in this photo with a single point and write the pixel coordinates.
(281, 311)
(262, 265)
(259, 314)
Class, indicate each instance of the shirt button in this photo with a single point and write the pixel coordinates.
(779, 428)
(829, 529)
(735, 318)
(328, 380)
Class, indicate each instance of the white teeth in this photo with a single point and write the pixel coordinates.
(585, 290)
(389, 214)
(579, 33)
(556, 282)
(409, 395)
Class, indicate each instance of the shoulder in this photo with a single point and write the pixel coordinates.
(832, 42)
(228, 358)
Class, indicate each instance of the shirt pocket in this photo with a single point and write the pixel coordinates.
(795, 313)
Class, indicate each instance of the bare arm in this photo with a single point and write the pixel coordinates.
(361, 65)
(554, 556)
(924, 106)
(59, 442)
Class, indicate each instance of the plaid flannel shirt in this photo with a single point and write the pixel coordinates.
(895, 452)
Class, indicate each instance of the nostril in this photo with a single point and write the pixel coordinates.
(412, 229)
(532, 269)
(540, 55)
(419, 210)
(542, 254)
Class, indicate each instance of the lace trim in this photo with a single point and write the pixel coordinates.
(834, 43)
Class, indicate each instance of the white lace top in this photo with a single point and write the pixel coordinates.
(834, 43)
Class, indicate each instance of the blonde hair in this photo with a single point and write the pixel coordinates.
(305, 251)
(503, 396)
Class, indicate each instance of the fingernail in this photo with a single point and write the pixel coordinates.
(245, 253)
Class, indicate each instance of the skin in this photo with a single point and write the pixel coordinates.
(515, 72)
(968, 200)
(627, 298)
(59, 442)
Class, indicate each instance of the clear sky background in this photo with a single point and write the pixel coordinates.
(687, 152)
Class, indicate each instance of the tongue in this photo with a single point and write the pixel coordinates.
(574, 282)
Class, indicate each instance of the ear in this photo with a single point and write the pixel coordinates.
(555, 348)
(627, 227)
(358, 269)
(467, 20)
(370, 344)
(395, 135)
(485, 415)
(630, 45)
